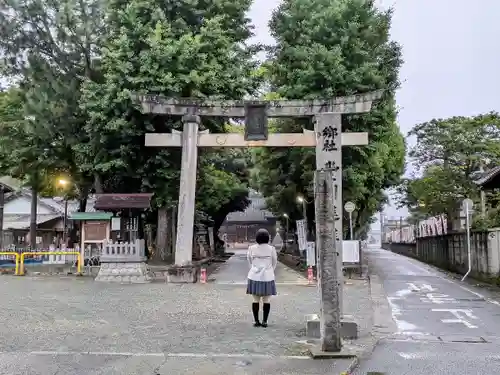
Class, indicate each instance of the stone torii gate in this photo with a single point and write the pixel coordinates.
(325, 137)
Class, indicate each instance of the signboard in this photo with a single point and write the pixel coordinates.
(349, 207)
(311, 253)
(467, 207)
(256, 122)
(95, 230)
(115, 223)
(301, 234)
(350, 252)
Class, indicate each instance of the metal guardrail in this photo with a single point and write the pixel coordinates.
(16, 255)
(20, 264)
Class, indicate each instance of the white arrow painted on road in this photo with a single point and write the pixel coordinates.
(459, 315)
(421, 287)
(412, 355)
(438, 298)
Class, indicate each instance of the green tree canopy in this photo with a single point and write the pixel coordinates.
(324, 49)
(49, 47)
(77, 64)
(188, 48)
(450, 154)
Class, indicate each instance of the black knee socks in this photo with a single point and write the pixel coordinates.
(255, 310)
(266, 308)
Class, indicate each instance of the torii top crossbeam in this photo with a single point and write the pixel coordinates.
(274, 108)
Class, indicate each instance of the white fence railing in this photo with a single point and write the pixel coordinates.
(123, 251)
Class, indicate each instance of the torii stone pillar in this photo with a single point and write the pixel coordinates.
(256, 113)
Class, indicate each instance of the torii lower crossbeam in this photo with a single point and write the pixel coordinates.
(306, 139)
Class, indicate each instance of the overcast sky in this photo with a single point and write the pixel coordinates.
(451, 50)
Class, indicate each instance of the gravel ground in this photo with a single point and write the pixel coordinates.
(71, 325)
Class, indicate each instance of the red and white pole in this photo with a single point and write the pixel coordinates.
(203, 275)
(310, 276)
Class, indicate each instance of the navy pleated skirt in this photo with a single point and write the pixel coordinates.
(261, 288)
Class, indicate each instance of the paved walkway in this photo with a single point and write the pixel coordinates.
(235, 271)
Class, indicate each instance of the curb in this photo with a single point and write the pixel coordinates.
(382, 322)
(383, 325)
(354, 364)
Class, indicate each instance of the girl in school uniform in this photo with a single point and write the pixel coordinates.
(261, 283)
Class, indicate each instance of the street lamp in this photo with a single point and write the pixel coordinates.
(300, 199)
(64, 183)
(287, 218)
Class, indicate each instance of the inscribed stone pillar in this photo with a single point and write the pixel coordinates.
(187, 191)
(328, 127)
(327, 262)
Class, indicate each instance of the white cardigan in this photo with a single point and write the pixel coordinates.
(262, 260)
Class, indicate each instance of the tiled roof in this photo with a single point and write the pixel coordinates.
(23, 221)
(90, 216)
(122, 201)
(488, 176)
(255, 212)
(10, 184)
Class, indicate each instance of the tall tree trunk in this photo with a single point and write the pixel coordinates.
(82, 206)
(451, 213)
(161, 251)
(84, 195)
(98, 184)
(173, 231)
(33, 216)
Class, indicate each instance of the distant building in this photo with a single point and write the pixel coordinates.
(390, 224)
(489, 180)
(17, 213)
(241, 226)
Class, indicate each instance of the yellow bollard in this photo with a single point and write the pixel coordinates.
(77, 253)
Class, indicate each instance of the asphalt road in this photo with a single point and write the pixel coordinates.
(444, 326)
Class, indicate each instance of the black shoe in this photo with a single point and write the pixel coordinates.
(266, 307)
(259, 324)
(263, 324)
(255, 311)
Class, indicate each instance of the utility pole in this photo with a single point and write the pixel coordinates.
(65, 225)
(303, 202)
(401, 229)
(33, 216)
(482, 194)
(382, 227)
(483, 203)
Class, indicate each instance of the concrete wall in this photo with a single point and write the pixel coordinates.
(450, 252)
